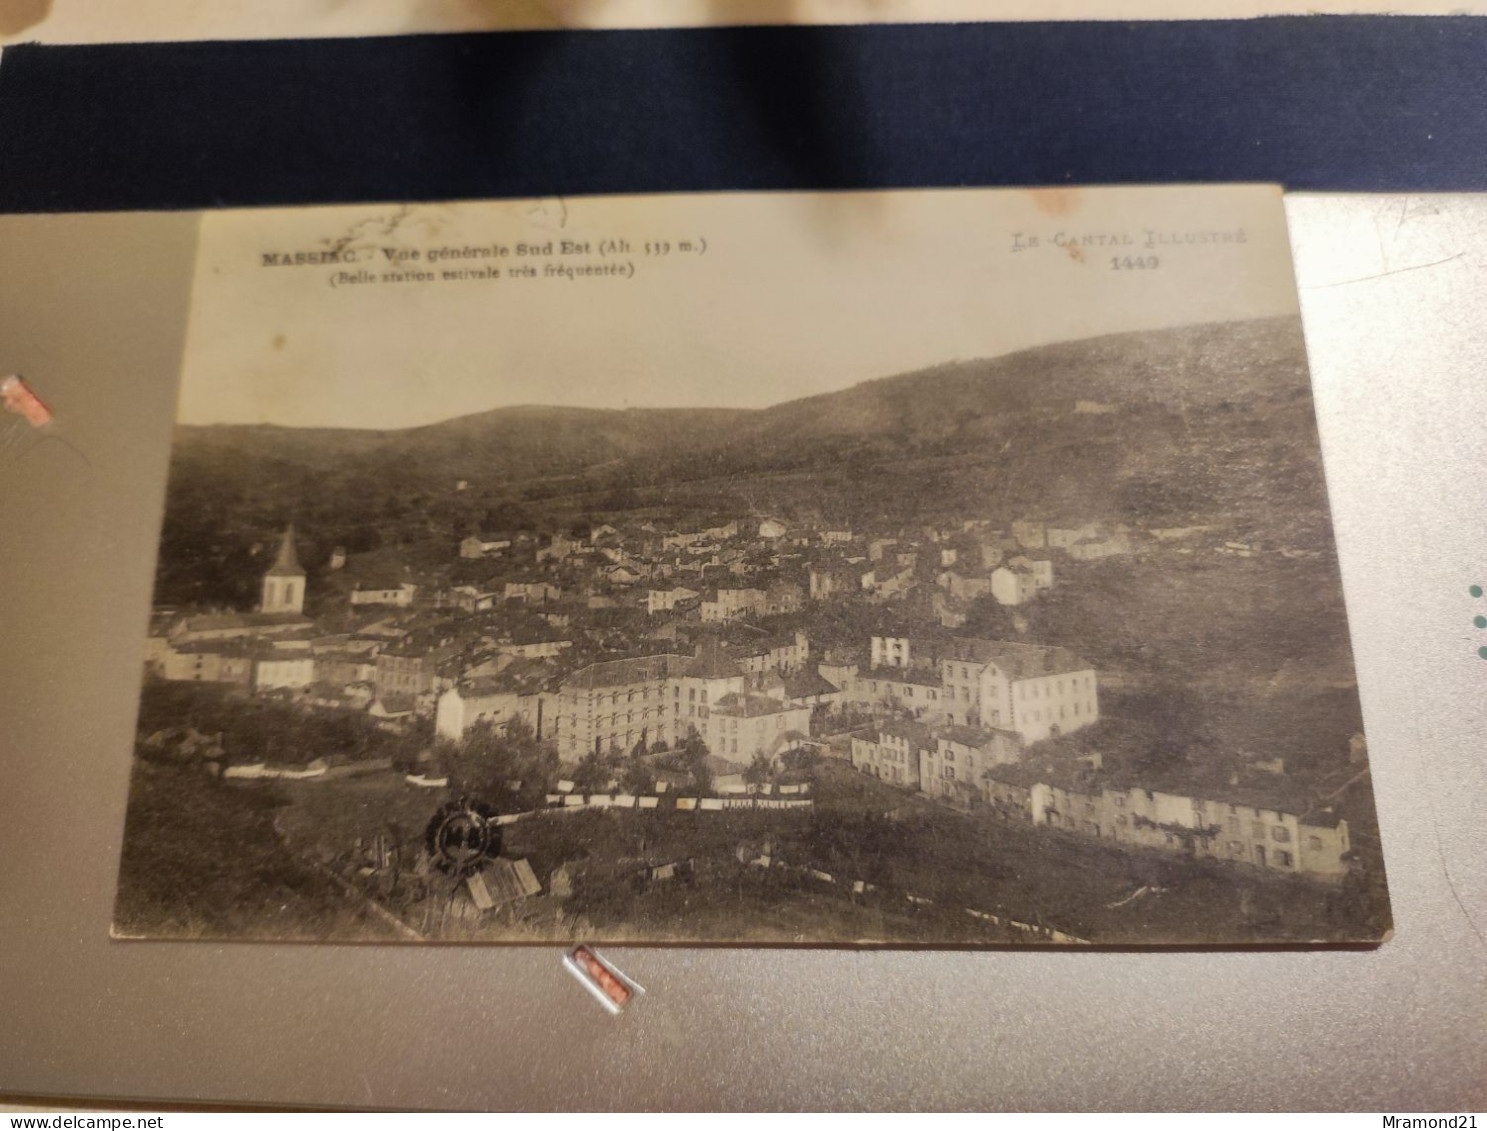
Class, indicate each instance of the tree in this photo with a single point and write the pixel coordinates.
(407, 749)
(638, 777)
(591, 774)
(490, 759)
(1179, 726)
(987, 618)
(801, 758)
(694, 754)
(759, 770)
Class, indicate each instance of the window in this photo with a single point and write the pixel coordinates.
(1284, 859)
(1120, 801)
(949, 773)
(1314, 843)
(1236, 848)
(1280, 834)
(949, 755)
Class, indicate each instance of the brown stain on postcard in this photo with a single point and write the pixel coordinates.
(1056, 201)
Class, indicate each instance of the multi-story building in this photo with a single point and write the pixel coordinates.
(614, 704)
(534, 643)
(1260, 831)
(255, 665)
(667, 600)
(341, 668)
(1020, 580)
(532, 592)
(954, 763)
(399, 595)
(208, 662)
(969, 584)
(231, 626)
(701, 683)
(494, 700)
(1013, 585)
(1033, 690)
(828, 581)
(275, 668)
(778, 652)
(892, 752)
(783, 597)
(890, 651)
(617, 704)
(730, 604)
(412, 669)
(743, 726)
(914, 691)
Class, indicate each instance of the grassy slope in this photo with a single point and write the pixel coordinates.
(202, 860)
(959, 861)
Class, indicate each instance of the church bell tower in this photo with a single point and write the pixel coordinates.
(284, 583)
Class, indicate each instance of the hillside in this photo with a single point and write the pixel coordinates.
(1210, 422)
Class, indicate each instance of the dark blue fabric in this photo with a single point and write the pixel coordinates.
(1365, 103)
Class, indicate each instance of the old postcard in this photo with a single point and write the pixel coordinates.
(933, 567)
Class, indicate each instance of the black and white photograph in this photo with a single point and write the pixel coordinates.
(913, 568)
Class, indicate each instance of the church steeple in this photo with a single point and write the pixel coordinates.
(284, 583)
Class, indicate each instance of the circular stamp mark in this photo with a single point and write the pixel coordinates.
(462, 835)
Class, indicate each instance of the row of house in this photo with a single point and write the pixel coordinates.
(986, 766)
(1232, 826)
(941, 761)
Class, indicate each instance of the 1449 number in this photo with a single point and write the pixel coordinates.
(1134, 262)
